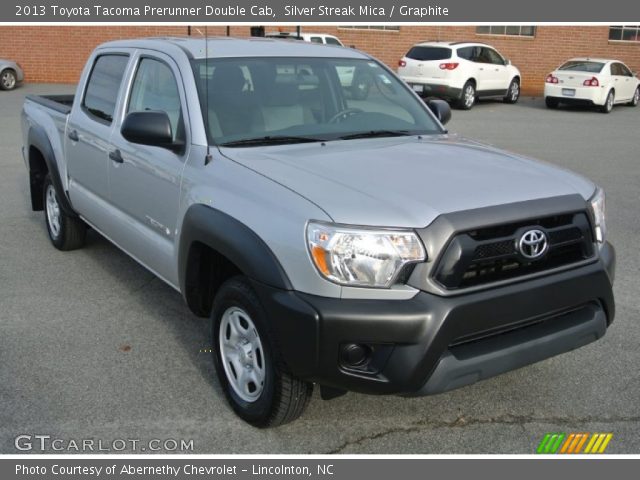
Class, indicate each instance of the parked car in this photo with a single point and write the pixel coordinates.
(460, 72)
(308, 37)
(11, 74)
(592, 82)
(350, 243)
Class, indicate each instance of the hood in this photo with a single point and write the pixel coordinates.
(406, 181)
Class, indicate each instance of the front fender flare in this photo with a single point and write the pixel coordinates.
(232, 239)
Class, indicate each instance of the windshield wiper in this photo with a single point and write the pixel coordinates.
(377, 133)
(270, 140)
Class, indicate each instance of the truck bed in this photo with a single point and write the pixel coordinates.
(59, 103)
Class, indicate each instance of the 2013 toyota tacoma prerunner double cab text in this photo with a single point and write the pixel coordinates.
(314, 208)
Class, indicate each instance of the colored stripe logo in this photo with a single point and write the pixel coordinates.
(574, 443)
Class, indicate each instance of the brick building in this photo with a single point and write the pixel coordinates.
(58, 53)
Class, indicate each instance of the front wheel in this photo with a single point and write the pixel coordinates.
(66, 232)
(608, 103)
(254, 378)
(513, 93)
(636, 98)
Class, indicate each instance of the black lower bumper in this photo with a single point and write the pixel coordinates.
(430, 344)
(576, 102)
(441, 91)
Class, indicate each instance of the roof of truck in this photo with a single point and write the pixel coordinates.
(221, 47)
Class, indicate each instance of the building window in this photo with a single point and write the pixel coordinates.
(507, 30)
(625, 33)
(393, 28)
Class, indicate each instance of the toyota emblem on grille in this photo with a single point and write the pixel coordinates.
(533, 244)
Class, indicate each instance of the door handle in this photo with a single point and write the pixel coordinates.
(481, 68)
(73, 135)
(116, 156)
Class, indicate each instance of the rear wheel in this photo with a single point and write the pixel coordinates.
(468, 96)
(551, 102)
(254, 378)
(65, 232)
(608, 103)
(513, 94)
(636, 98)
(8, 79)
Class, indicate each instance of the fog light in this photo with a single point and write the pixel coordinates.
(354, 355)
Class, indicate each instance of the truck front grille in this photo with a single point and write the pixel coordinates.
(488, 255)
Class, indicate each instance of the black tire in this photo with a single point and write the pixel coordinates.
(608, 103)
(69, 232)
(636, 98)
(283, 397)
(468, 96)
(513, 93)
(8, 79)
(551, 102)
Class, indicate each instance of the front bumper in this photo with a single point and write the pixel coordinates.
(430, 344)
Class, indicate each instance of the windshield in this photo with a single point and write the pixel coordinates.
(582, 66)
(305, 99)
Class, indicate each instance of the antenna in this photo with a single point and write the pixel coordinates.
(207, 158)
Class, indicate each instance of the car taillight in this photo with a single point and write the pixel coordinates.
(402, 63)
(551, 79)
(591, 82)
(448, 66)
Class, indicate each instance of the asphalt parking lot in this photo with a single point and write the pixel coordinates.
(93, 346)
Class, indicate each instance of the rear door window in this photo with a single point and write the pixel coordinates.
(332, 41)
(104, 85)
(468, 53)
(429, 53)
(315, 39)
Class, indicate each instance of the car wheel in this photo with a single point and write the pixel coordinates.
(636, 98)
(254, 378)
(513, 94)
(65, 232)
(551, 102)
(608, 104)
(8, 80)
(468, 96)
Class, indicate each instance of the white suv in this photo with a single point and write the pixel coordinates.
(460, 72)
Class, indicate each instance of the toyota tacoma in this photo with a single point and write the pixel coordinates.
(332, 236)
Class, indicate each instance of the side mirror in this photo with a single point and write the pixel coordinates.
(149, 128)
(507, 61)
(440, 109)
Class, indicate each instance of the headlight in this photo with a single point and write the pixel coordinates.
(360, 256)
(598, 210)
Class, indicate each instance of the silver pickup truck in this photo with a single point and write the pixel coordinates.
(316, 210)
